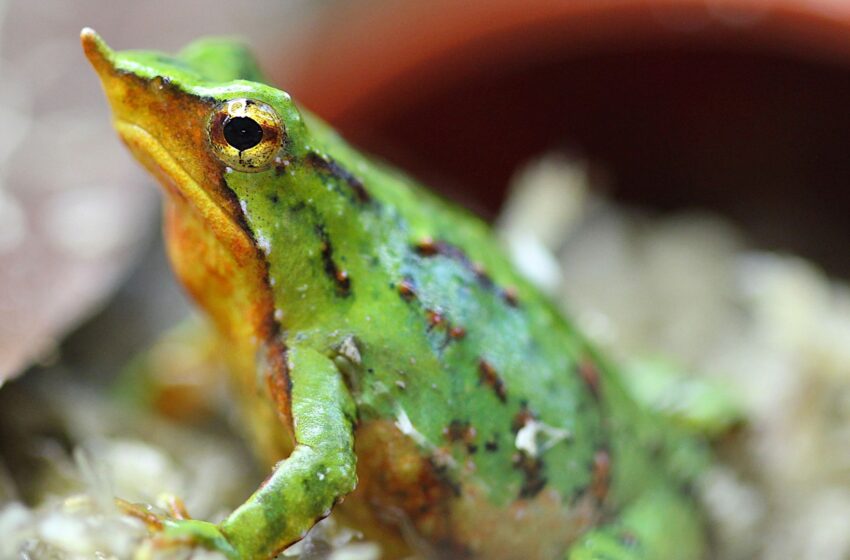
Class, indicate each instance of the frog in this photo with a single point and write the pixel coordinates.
(388, 359)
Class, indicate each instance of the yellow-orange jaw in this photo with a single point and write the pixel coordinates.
(165, 124)
(166, 121)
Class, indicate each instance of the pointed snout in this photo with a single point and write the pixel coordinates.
(163, 124)
(104, 62)
(97, 51)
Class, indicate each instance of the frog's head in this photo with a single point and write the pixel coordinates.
(192, 120)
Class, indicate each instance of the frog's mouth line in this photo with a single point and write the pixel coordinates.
(175, 180)
(148, 150)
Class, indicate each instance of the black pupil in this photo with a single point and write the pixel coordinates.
(242, 133)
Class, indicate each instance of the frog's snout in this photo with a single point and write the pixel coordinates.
(96, 50)
(103, 60)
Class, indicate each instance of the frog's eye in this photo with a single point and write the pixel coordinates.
(245, 134)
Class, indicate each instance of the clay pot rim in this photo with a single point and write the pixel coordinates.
(436, 42)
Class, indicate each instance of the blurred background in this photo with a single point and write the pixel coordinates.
(696, 149)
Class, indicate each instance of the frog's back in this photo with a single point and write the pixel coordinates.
(459, 354)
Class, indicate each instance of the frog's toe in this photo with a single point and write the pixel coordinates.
(179, 530)
(191, 532)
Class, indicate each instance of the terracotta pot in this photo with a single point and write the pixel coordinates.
(738, 105)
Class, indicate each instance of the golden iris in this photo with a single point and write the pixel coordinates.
(245, 134)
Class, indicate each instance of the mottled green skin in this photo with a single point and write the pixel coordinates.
(449, 335)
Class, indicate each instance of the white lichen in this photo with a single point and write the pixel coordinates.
(536, 437)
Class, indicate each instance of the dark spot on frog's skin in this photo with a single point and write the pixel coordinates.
(460, 431)
(274, 198)
(511, 296)
(343, 280)
(441, 471)
(457, 333)
(439, 322)
(487, 375)
(335, 170)
(532, 472)
(482, 276)
(523, 417)
(601, 474)
(589, 373)
(429, 247)
(435, 318)
(339, 276)
(406, 289)
(491, 445)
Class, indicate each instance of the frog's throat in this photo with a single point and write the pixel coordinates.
(247, 268)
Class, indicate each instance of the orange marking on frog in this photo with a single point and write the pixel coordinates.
(589, 372)
(488, 376)
(601, 477)
(406, 289)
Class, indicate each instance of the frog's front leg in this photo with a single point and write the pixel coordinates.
(304, 487)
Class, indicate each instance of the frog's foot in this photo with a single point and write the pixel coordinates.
(661, 525)
(301, 490)
(179, 530)
(607, 543)
(191, 532)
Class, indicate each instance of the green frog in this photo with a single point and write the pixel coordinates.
(390, 362)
